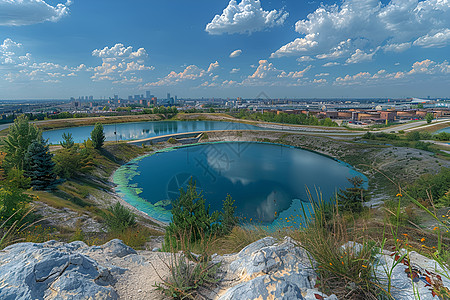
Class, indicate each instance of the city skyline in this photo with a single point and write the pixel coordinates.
(286, 49)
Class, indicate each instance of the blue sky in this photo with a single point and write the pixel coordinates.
(221, 48)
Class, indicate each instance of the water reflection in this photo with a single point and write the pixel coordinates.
(267, 181)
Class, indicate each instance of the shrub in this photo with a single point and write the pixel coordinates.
(413, 136)
(189, 213)
(422, 145)
(442, 136)
(118, 218)
(172, 141)
(187, 273)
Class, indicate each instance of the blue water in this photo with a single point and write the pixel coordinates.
(267, 181)
(447, 129)
(142, 130)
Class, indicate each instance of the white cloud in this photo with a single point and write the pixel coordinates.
(331, 64)
(397, 47)
(428, 66)
(268, 74)
(235, 53)
(322, 74)
(213, 66)
(296, 74)
(245, 17)
(360, 56)
(27, 12)
(119, 51)
(419, 68)
(436, 40)
(190, 73)
(20, 66)
(233, 71)
(117, 61)
(369, 24)
(305, 58)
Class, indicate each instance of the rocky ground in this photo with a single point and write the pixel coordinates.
(265, 269)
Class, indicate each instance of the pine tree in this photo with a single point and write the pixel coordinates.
(227, 217)
(191, 217)
(351, 199)
(67, 142)
(21, 135)
(98, 136)
(39, 166)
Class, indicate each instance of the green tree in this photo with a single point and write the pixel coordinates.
(21, 135)
(98, 136)
(68, 162)
(13, 204)
(429, 117)
(413, 136)
(67, 142)
(351, 199)
(227, 217)
(190, 216)
(40, 166)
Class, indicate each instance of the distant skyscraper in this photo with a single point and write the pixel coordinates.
(130, 97)
(136, 97)
(168, 96)
(116, 97)
(148, 95)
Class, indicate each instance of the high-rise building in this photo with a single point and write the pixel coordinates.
(136, 97)
(148, 96)
(130, 97)
(168, 96)
(116, 97)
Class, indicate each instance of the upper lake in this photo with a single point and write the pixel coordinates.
(267, 181)
(142, 130)
(446, 129)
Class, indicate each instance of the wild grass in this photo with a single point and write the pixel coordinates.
(189, 274)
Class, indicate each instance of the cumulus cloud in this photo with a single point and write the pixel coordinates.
(213, 66)
(424, 67)
(305, 58)
(246, 17)
(190, 73)
(360, 56)
(118, 61)
(27, 12)
(268, 74)
(428, 66)
(19, 65)
(331, 64)
(369, 24)
(233, 71)
(235, 53)
(397, 47)
(436, 40)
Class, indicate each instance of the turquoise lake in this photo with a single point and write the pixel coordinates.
(142, 130)
(267, 181)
